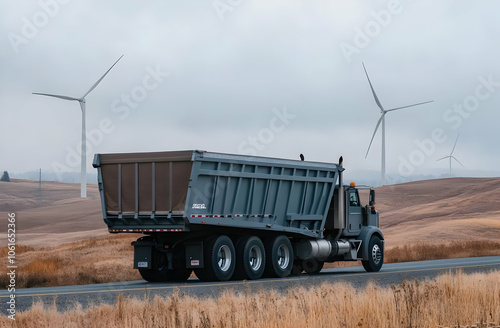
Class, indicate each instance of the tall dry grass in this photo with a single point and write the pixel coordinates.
(448, 301)
(454, 249)
(95, 260)
(421, 251)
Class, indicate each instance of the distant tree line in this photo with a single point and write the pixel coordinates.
(5, 177)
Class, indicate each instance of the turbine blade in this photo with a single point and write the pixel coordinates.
(102, 77)
(458, 161)
(425, 102)
(374, 132)
(56, 96)
(373, 90)
(454, 145)
(442, 158)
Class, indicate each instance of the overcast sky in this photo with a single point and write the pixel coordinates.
(271, 78)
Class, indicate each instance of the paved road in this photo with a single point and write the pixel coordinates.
(66, 296)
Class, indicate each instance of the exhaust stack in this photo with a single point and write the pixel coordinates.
(339, 222)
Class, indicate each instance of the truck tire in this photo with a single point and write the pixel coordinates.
(297, 268)
(159, 271)
(154, 275)
(279, 255)
(219, 257)
(312, 266)
(375, 255)
(181, 275)
(250, 258)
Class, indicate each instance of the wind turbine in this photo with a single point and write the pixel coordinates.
(382, 119)
(450, 156)
(81, 100)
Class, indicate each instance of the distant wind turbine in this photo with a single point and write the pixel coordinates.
(450, 156)
(382, 119)
(83, 170)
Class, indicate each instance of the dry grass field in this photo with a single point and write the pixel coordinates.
(104, 259)
(62, 240)
(448, 301)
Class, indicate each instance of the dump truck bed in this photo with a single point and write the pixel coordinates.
(182, 191)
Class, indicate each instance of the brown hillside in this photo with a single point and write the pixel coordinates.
(54, 215)
(430, 211)
(440, 210)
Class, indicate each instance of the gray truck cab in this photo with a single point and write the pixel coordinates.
(357, 214)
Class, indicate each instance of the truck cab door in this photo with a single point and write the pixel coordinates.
(354, 212)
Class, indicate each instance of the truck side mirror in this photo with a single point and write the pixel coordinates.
(372, 197)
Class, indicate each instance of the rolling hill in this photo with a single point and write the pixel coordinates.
(429, 211)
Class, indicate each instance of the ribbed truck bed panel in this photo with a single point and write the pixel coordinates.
(185, 190)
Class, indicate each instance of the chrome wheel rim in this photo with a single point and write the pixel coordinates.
(283, 257)
(255, 259)
(224, 258)
(376, 254)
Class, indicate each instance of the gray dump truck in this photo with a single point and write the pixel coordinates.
(235, 217)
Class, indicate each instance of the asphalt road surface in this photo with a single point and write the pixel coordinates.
(66, 297)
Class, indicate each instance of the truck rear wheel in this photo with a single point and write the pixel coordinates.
(279, 255)
(219, 257)
(375, 255)
(159, 270)
(250, 258)
(154, 275)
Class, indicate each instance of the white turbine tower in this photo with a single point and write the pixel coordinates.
(382, 119)
(83, 171)
(450, 156)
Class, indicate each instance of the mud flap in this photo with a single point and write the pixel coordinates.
(143, 255)
(194, 255)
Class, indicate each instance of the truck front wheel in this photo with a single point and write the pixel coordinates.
(279, 257)
(375, 255)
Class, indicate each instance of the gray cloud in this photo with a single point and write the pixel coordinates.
(226, 76)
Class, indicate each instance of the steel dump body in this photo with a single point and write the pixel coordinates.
(193, 190)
